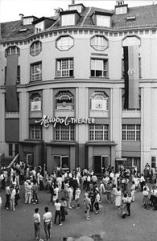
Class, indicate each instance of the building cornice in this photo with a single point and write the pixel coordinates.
(81, 30)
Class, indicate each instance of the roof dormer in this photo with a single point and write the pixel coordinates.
(69, 17)
(102, 19)
(121, 8)
(78, 7)
(42, 24)
(27, 20)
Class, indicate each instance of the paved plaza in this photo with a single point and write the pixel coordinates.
(140, 226)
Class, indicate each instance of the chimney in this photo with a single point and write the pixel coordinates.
(57, 11)
(21, 16)
(121, 7)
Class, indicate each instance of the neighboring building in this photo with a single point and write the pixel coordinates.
(93, 73)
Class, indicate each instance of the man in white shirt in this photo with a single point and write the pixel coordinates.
(36, 219)
(57, 212)
(47, 218)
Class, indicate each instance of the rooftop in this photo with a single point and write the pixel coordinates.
(136, 17)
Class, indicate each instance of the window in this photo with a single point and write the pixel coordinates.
(36, 71)
(64, 100)
(129, 163)
(104, 21)
(13, 149)
(99, 42)
(10, 149)
(35, 132)
(68, 19)
(16, 149)
(64, 43)
(99, 68)
(98, 132)
(35, 48)
(12, 50)
(62, 161)
(153, 162)
(18, 74)
(99, 101)
(35, 102)
(131, 132)
(64, 133)
(65, 67)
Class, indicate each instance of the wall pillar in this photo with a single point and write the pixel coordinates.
(48, 110)
(3, 145)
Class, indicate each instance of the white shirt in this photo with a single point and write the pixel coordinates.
(0, 202)
(47, 217)
(58, 206)
(36, 218)
(13, 193)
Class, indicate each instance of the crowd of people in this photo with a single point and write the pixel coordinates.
(74, 189)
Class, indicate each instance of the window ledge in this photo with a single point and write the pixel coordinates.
(64, 77)
(99, 77)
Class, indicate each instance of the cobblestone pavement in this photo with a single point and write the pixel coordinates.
(140, 226)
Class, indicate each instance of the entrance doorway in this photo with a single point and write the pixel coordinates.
(100, 163)
(29, 159)
(62, 162)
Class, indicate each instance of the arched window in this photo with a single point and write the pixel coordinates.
(131, 40)
(11, 50)
(64, 100)
(35, 102)
(99, 101)
(99, 42)
(35, 48)
(64, 42)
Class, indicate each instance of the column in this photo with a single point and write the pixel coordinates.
(48, 110)
(82, 130)
(3, 146)
(145, 126)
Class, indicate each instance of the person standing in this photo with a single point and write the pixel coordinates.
(36, 219)
(133, 187)
(128, 204)
(77, 197)
(57, 212)
(97, 201)
(87, 204)
(35, 198)
(63, 209)
(7, 194)
(118, 197)
(12, 198)
(47, 218)
(124, 206)
(70, 196)
(142, 182)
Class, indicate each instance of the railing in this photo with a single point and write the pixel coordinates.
(13, 161)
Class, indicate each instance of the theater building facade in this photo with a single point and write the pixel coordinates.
(80, 88)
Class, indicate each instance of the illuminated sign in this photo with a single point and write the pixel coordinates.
(47, 120)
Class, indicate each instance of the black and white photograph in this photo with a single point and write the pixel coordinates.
(78, 120)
